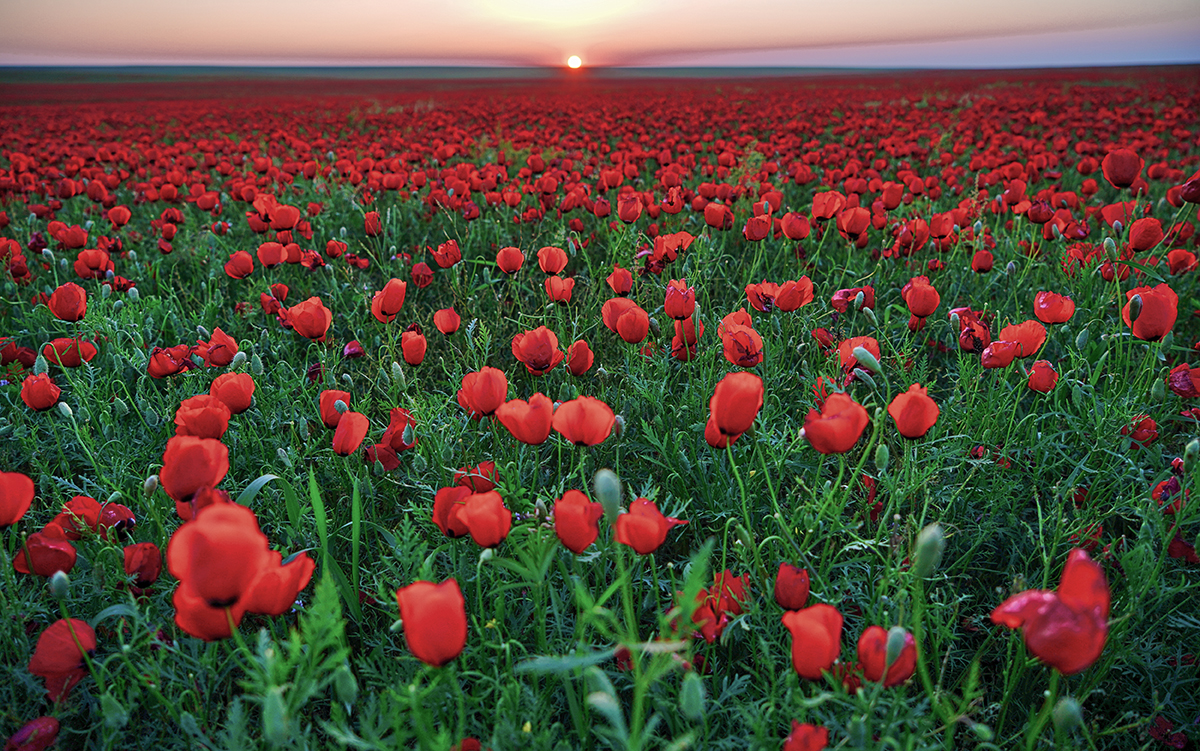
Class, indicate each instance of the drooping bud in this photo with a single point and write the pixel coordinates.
(1135, 308)
(40, 365)
(931, 543)
(256, 365)
(866, 359)
(65, 410)
(238, 360)
(607, 487)
(882, 456)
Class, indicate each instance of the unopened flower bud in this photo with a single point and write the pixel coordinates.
(895, 644)
(150, 485)
(203, 332)
(864, 376)
(744, 537)
(1010, 269)
(345, 685)
(866, 359)
(398, 376)
(119, 408)
(238, 360)
(40, 365)
(1081, 339)
(1190, 454)
(486, 555)
(691, 696)
(408, 436)
(1158, 390)
(419, 464)
(870, 314)
(341, 407)
(859, 299)
(60, 585)
(48, 254)
(282, 454)
(1067, 715)
(931, 543)
(256, 365)
(607, 487)
(105, 291)
(1118, 227)
(118, 306)
(618, 426)
(1110, 246)
(65, 410)
(133, 294)
(882, 456)
(1135, 308)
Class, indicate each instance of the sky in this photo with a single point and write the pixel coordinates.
(809, 33)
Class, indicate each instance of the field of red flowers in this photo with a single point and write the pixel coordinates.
(785, 413)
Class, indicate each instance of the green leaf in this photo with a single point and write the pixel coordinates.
(564, 663)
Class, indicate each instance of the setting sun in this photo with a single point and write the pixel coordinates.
(574, 62)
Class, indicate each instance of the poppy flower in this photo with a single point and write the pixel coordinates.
(579, 358)
(483, 392)
(718, 216)
(1145, 233)
(1159, 308)
(791, 587)
(16, 494)
(838, 426)
(218, 351)
(742, 346)
(920, 297)
(328, 406)
(447, 254)
(488, 520)
(240, 265)
(143, 562)
(1042, 377)
(806, 737)
(413, 345)
(632, 324)
(80, 513)
(577, 521)
(1065, 628)
(629, 207)
(39, 392)
(1141, 430)
(537, 350)
(68, 303)
(1184, 381)
(735, 403)
(372, 226)
(203, 416)
(552, 260)
(584, 421)
(421, 275)
(510, 259)
(448, 504)
(191, 463)
(816, 639)
(872, 655)
(757, 228)
(913, 411)
(479, 479)
(400, 422)
(680, 299)
(35, 735)
(310, 319)
(387, 302)
(843, 298)
(846, 350)
(795, 226)
(70, 353)
(529, 422)
(559, 289)
(1121, 167)
(620, 281)
(446, 321)
(982, 261)
(1180, 261)
(435, 620)
(1051, 307)
(45, 553)
(349, 434)
(644, 528)
(1000, 354)
(270, 254)
(59, 656)
(169, 361)
(767, 296)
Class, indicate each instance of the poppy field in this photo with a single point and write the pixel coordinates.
(846, 412)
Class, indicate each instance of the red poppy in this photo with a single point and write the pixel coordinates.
(816, 639)
(644, 528)
(913, 411)
(39, 392)
(487, 519)
(191, 463)
(310, 319)
(372, 225)
(920, 297)
(1122, 167)
(448, 504)
(45, 553)
(203, 416)
(446, 321)
(1042, 377)
(413, 345)
(842, 299)
(328, 406)
(1000, 354)
(270, 254)
(631, 323)
(1159, 308)
(791, 587)
(552, 260)
(483, 392)
(846, 350)
(529, 422)
(421, 275)
(767, 296)
(757, 228)
(16, 494)
(510, 259)
(579, 358)
(143, 562)
(447, 254)
(735, 403)
(680, 299)
(838, 426)
(559, 289)
(584, 421)
(1051, 307)
(1180, 261)
(718, 216)
(435, 620)
(1141, 430)
(35, 735)
(620, 281)
(68, 303)
(169, 361)
(982, 261)
(218, 351)
(349, 434)
(1184, 381)
(70, 353)
(742, 345)
(872, 654)
(806, 737)
(629, 207)
(387, 302)
(1066, 628)
(577, 521)
(59, 656)
(795, 226)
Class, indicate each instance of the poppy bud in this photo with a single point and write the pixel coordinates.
(866, 359)
(65, 409)
(344, 685)
(606, 486)
(691, 697)
(256, 365)
(59, 585)
(931, 543)
(1067, 715)
(1081, 339)
(1110, 246)
(791, 587)
(882, 456)
(40, 365)
(1190, 454)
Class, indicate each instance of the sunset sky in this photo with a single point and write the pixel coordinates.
(867, 33)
